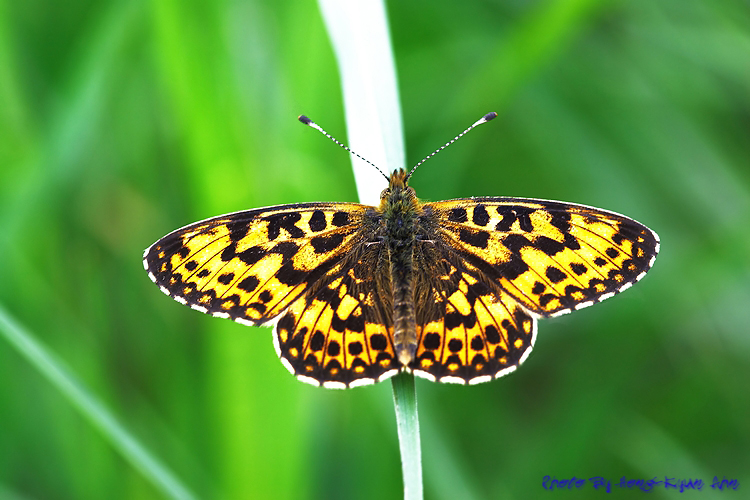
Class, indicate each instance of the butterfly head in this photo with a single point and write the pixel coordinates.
(398, 192)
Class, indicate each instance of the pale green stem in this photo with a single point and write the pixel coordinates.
(91, 409)
(407, 420)
(360, 37)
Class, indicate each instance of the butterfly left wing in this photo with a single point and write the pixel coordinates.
(250, 266)
(340, 334)
(551, 257)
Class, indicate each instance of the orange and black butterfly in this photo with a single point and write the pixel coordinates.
(449, 290)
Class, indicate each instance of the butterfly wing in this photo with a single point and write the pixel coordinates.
(552, 257)
(487, 268)
(468, 329)
(341, 334)
(250, 266)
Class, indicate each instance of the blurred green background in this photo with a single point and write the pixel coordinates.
(121, 120)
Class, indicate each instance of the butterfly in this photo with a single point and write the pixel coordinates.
(450, 290)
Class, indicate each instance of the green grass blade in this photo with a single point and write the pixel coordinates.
(407, 419)
(91, 409)
(359, 34)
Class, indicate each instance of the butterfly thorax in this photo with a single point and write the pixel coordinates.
(400, 209)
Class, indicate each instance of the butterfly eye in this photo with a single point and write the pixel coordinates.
(385, 193)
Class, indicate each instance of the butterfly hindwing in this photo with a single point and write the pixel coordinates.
(250, 266)
(479, 332)
(552, 257)
(340, 334)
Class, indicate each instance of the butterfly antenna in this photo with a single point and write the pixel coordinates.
(317, 127)
(484, 119)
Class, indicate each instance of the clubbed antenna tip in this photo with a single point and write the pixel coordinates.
(484, 119)
(304, 119)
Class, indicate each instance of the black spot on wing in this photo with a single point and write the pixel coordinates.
(334, 348)
(317, 221)
(571, 242)
(524, 218)
(261, 308)
(554, 274)
(477, 343)
(226, 278)
(561, 220)
(457, 214)
(289, 275)
(515, 242)
(453, 320)
(286, 248)
(507, 218)
(511, 214)
(546, 299)
(355, 348)
(477, 239)
(340, 219)
(248, 284)
(578, 268)
(378, 342)
(455, 345)
(549, 246)
(355, 324)
(513, 267)
(432, 341)
(317, 341)
(238, 226)
(480, 217)
(249, 256)
(286, 221)
(493, 336)
(325, 244)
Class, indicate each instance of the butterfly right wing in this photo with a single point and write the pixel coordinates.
(492, 266)
(250, 266)
(468, 330)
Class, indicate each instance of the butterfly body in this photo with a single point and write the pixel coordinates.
(399, 210)
(449, 290)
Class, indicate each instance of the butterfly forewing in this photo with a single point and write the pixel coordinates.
(250, 266)
(551, 257)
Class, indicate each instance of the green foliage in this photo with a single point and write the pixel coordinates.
(123, 120)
